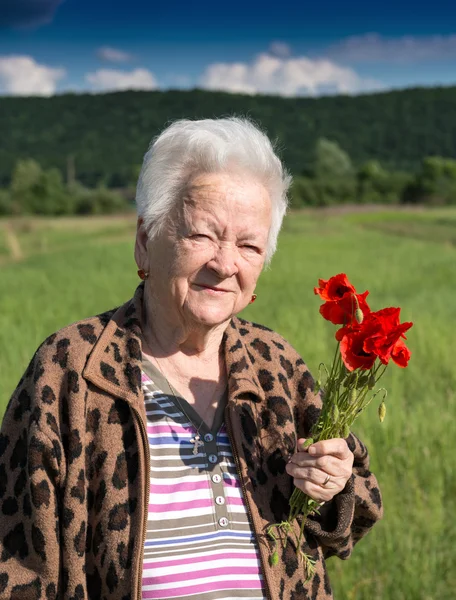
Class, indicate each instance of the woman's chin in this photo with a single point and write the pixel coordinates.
(210, 313)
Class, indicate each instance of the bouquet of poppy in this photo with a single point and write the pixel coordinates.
(367, 341)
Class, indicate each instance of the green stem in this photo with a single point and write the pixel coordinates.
(301, 505)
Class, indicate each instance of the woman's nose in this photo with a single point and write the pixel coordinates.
(224, 261)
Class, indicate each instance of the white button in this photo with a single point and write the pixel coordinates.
(213, 458)
(223, 522)
(216, 478)
(208, 437)
(220, 500)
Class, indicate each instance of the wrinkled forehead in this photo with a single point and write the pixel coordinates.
(199, 193)
(227, 190)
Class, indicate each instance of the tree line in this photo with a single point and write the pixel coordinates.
(332, 178)
(398, 146)
(37, 191)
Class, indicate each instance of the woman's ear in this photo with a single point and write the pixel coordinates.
(141, 254)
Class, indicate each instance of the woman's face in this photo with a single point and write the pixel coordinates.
(205, 264)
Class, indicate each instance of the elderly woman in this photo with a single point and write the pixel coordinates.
(146, 450)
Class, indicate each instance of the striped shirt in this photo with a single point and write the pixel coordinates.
(199, 542)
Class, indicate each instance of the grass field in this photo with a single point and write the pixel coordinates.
(55, 272)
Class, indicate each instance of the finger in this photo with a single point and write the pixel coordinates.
(329, 464)
(315, 492)
(335, 447)
(315, 476)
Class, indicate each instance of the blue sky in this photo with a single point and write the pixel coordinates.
(287, 48)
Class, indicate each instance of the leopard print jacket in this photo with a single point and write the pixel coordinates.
(74, 463)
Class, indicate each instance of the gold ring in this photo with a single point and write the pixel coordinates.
(326, 481)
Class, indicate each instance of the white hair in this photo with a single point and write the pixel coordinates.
(188, 148)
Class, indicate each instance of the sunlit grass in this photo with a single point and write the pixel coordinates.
(88, 267)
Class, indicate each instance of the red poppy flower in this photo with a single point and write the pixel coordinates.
(343, 311)
(380, 335)
(386, 332)
(335, 288)
(401, 354)
(352, 350)
(341, 300)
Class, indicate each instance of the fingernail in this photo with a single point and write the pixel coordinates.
(311, 450)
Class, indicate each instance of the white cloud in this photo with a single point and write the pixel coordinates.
(280, 49)
(23, 76)
(407, 49)
(110, 54)
(110, 79)
(298, 76)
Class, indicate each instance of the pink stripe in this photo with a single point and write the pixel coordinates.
(197, 559)
(169, 429)
(201, 589)
(219, 571)
(235, 501)
(203, 503)
(156, 488)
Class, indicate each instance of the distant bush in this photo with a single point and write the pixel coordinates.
(38, 192)
(35, 191)
(5, 203)
(99, 201)
(303, 192)
(434, 184)
(306, 191)
(367, 186)
(332, 179)
(377, 185)
(330, 160)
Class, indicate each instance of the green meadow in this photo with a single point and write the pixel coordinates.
(53, 272)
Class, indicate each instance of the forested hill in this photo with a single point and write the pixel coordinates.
(108, 134)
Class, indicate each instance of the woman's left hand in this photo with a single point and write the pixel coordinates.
(322, 470)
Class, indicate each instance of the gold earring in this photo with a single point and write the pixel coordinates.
(142, 274)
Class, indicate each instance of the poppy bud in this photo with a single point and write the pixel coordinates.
(382, 411)
(334, 413)
(362, 381)
(307, 443)
(352, 395)
(274, 558)
(359, 317)
(371, 382)
(346, 431)
(350, 378)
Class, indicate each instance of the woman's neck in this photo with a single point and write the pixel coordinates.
(190, 358)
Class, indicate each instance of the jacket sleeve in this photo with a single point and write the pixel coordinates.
(351, 513)
(30, 473)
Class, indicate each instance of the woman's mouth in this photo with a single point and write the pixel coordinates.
(212, 289)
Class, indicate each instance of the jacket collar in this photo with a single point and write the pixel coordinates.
(114, 364)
